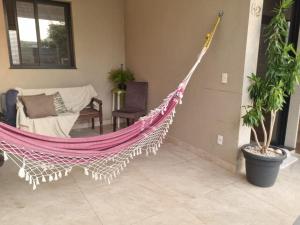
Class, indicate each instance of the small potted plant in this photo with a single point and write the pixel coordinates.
(268, 94)
(119, 77)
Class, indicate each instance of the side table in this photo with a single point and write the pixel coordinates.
(118, 101)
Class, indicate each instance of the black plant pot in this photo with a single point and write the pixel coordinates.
(260, 170)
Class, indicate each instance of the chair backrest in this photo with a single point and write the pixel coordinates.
(137, 96)
(10, 105)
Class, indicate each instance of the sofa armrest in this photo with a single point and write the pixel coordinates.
(98, 101)
(21, 118)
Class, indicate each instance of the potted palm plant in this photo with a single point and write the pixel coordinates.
(119, 77)
(268, 94)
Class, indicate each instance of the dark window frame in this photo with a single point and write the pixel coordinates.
(70, 36)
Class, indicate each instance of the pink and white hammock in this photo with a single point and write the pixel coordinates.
(41, 158)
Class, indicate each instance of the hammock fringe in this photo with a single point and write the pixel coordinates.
(116, 163)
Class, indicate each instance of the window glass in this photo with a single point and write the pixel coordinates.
(14, 47)
(39, 34)
(27, 32)
(53, 33)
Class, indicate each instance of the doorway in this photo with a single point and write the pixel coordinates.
(292, 134)
(285, 122)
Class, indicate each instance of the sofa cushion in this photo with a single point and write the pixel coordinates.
(39, 106)
(59, 104)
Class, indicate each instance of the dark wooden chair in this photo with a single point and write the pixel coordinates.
(90, 113)
(135, 103)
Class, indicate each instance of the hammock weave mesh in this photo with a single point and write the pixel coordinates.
(47, 159)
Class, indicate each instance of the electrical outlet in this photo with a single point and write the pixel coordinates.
(220, 140)
(224, 78)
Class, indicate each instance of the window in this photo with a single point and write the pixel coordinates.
(39, 34)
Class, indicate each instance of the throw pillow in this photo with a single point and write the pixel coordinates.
(59, 104)
(39, 106)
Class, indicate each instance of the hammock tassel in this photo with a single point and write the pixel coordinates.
(50, 178)
(86, 171)
(34, 186)
(44, 179)
(5, 156)
(27, 176)
(59, 174)
(30, 179)
(22, 171)
(37, 181)
(55, 177)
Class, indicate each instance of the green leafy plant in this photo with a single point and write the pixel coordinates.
(120, 77)
(268, 92)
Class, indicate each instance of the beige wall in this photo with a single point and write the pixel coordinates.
(99, 46)
(163, 39)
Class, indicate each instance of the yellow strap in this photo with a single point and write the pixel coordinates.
(210, 36)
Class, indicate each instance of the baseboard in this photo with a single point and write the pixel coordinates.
(84, 124)
(203, 154)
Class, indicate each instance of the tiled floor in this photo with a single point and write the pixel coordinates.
(176, 187)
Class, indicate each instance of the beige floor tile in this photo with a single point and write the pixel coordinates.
(128, 179)
(174, 187)
(58, 203)
(232, 206)
(180, 152)
(188, 178)
(293, 170)
(284, 195)
(215, 175)
(174, 216)
(163, 158)
(133, 203)
(182, 179)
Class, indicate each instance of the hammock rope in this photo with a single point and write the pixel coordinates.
(46, 159)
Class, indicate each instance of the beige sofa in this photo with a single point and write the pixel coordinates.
(75, 100)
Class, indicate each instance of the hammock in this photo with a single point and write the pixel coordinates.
(46, 159)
